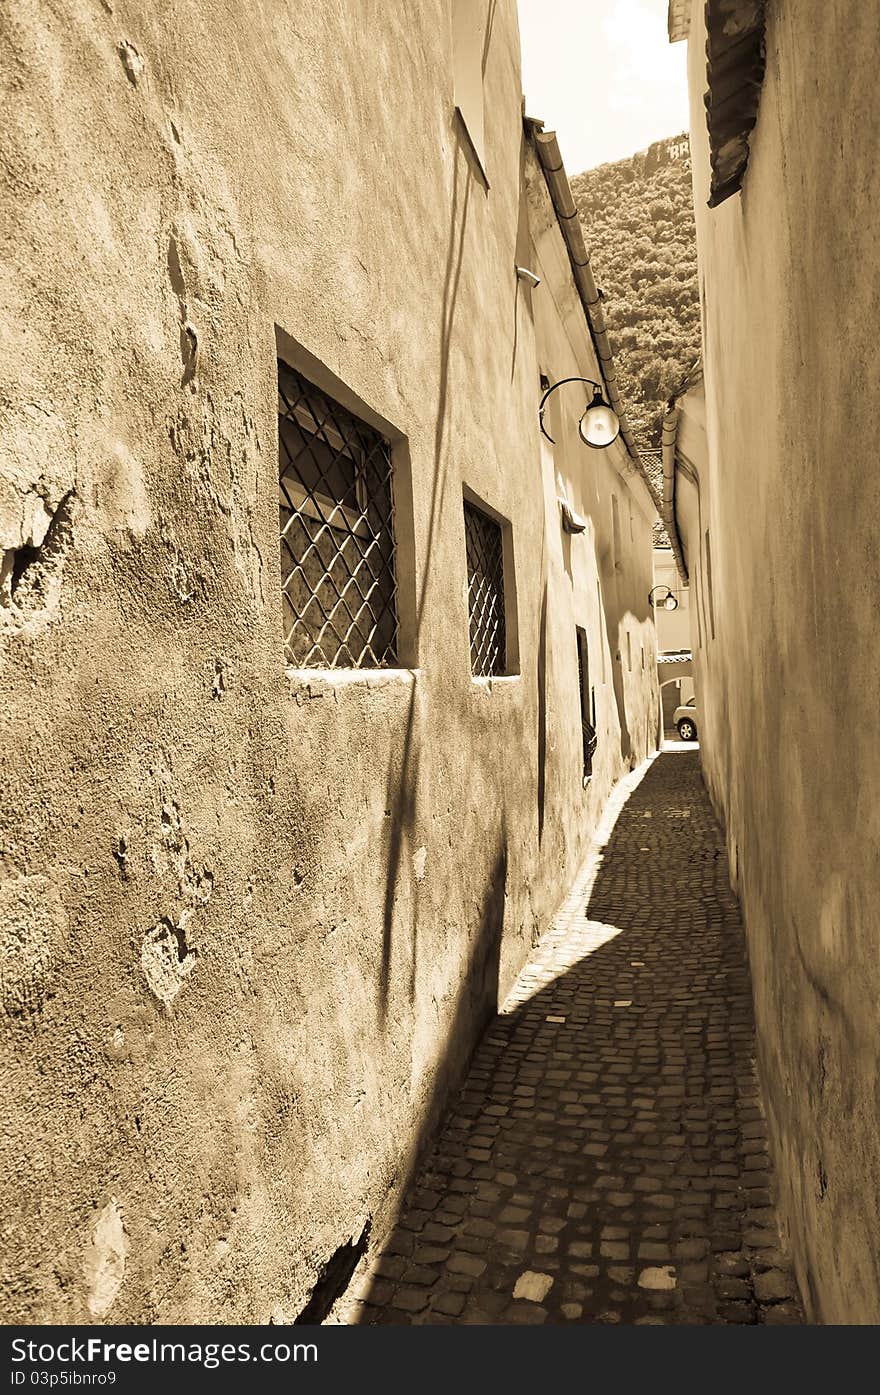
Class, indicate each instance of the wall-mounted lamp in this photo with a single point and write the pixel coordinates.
(598, 427)
(668, 602)
(528, 276)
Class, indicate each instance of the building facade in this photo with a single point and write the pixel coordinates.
(778, 522)
(310, 703)
(673, 637)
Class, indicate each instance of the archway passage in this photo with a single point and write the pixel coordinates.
(669, 669)
(673, 693)
(606, 1160)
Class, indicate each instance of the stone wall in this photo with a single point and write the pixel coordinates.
(786, 670)
(253, 918)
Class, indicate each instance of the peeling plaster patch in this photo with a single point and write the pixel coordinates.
(166, 960)
(132, 62)
(31, 568)
(25, 518)
(32, 921)
(105, 1258)
(420, 858)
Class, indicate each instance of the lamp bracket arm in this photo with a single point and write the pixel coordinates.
(552, 388)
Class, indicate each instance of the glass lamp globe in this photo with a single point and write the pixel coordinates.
(598, 427)
(670, 603)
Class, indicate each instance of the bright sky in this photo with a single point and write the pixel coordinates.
(603, 75)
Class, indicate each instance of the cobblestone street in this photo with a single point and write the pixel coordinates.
(606, 1159)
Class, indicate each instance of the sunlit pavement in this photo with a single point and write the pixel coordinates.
(606, 1160)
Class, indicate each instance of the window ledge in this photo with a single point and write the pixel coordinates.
(314, 682)
(496, 680)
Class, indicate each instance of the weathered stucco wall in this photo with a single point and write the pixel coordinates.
(253, 920)
(788, 684)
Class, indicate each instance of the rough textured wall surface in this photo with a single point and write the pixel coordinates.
(788, 686)
(252, 920)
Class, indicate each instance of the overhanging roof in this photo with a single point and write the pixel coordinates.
(679, 20)
(735, 72)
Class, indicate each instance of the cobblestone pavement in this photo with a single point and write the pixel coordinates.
(606, 1159)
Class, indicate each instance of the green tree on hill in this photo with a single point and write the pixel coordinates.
(638, 221)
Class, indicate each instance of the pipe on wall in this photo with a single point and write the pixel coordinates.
(667, 503)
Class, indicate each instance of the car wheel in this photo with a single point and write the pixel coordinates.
(686, 730)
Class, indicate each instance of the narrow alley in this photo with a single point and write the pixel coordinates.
(606, 1161)
(440, 857)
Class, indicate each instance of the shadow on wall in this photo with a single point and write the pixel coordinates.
(475, 1005)
(402, 793)
(542, 708)
(613, 640)
(685, 973)
(522, 256)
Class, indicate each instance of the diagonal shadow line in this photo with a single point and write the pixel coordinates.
(487, 37)
(403, 802)
(521, 256)
(542, 713)
(626, 746)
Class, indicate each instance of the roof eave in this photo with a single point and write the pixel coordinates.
(550, 160)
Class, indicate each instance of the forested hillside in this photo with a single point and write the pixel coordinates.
(638, 222)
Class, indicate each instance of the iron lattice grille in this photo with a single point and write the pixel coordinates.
(587, 704)
(485, 568)
(339, 591)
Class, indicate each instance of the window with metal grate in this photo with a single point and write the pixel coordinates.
(484, 544)
(587, 696)
(339, 590)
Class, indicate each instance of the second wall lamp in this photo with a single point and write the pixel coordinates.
(598, 427)
(668, 602)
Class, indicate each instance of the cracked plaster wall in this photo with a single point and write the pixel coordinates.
(253, 922)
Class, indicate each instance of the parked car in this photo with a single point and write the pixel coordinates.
(685, 720)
